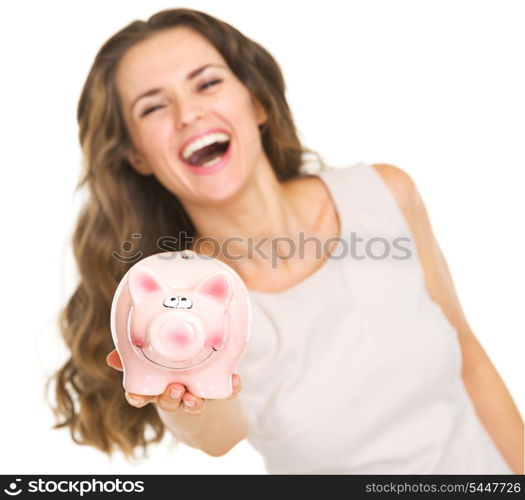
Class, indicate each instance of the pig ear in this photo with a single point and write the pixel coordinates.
(217, 287)
(142, 281)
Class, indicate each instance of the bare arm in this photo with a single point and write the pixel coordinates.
(214, 426)
(490, 397)
(493, 403)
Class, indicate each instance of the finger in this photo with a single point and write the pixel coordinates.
(170, 399)
(137, 400)
(236, 386)
(113, 360)
(192, 404)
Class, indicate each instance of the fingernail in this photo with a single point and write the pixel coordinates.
(176, 393)
(189, 403)
(135, 401)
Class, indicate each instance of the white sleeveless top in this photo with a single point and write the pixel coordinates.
(355, 369)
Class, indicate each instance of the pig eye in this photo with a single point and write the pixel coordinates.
(185, 303)
(171, 302)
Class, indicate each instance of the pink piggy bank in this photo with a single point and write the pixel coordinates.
(180, 317)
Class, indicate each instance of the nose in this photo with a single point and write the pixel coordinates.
(178, 340)
(188, 109)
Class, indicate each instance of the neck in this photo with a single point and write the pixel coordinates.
(261, 211)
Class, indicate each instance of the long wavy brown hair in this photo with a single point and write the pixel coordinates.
(120, 202)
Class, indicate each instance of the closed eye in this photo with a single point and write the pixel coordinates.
(209, 84)
(149, 110)
(202, 87)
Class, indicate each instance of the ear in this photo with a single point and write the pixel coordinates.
(138, 163)
(142, 281)
(260, 113)
(217, 287)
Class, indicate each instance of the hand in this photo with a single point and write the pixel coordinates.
(175, 397)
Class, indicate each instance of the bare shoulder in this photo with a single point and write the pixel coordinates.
(407, 196)
(401, 185)
(438, 279)
(411, 204)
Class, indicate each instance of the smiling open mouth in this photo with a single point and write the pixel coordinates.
(206, 150)
(209, 155)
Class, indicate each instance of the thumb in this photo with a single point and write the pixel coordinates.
(113, 360)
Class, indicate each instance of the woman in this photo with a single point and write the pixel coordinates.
(363, 365)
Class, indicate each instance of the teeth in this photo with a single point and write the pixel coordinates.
(204, 141)
(210, 163)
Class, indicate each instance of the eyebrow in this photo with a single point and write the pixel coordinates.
(191, 76)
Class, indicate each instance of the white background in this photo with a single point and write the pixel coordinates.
(434, 87)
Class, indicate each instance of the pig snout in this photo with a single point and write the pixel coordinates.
(176, 338)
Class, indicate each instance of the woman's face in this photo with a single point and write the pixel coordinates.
(184, 105)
